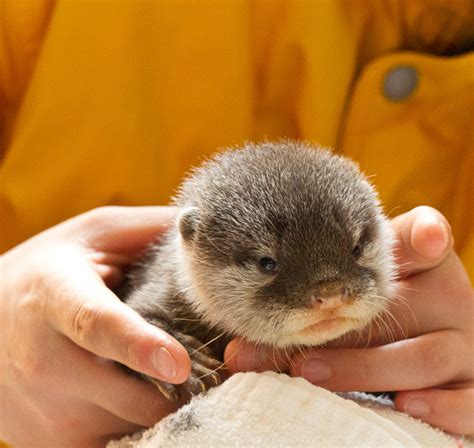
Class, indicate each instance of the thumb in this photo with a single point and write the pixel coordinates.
(423, 240)
(89, 314)
(124, 230)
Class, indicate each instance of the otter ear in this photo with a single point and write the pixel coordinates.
(188, 222)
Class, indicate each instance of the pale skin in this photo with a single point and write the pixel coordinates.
(62, 324)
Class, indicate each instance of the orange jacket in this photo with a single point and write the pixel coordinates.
(111, 102)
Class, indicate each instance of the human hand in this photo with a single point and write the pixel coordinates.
(426, 352)
(61, 325)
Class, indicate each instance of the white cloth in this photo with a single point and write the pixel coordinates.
(274, 410)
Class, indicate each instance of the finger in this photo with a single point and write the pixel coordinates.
(85, 379)
(244, 356)
(86, 422)
(423, 240)
(425, 361)
(123, 395)
(124, 229)
(451, 410)
(119, 430)
(94, 318)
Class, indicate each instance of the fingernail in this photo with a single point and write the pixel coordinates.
(417, 407)
(315, 370)
(164, 363)
(251, 359)
(427, 239)
(445, 231)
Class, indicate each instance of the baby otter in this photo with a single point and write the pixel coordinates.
(280, 243)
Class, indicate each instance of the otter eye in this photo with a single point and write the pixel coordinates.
(357, 251)
(268, 264)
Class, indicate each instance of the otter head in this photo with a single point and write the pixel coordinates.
(283, 244)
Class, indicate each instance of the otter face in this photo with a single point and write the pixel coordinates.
(293, 258)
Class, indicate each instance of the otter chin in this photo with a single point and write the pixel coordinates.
(334, 325)
(280, 243)
(322, 331)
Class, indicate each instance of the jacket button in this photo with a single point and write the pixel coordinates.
(400, 82)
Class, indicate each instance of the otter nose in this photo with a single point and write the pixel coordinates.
(329, 296)
(326, 302)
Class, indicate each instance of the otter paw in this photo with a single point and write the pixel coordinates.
(204, 372)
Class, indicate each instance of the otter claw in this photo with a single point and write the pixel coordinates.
(170, 391)
(216, 378)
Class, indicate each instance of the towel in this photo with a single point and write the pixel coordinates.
(275, 410)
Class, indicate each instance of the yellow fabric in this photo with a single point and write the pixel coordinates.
(110, 102)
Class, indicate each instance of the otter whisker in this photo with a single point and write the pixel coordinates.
(369, 335)
(379, 325)
(389, 314)
(403, 332)
(207, 343)
(408, 288)
(387, 328)
(186, 320)
(405, 263)
(289, 357)
(273, 356)
(223, 364)
(379, 330)
(402, 301)
(393, 209)
(360, 335)
(303, 351)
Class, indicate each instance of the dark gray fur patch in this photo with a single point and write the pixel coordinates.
(182, 421)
